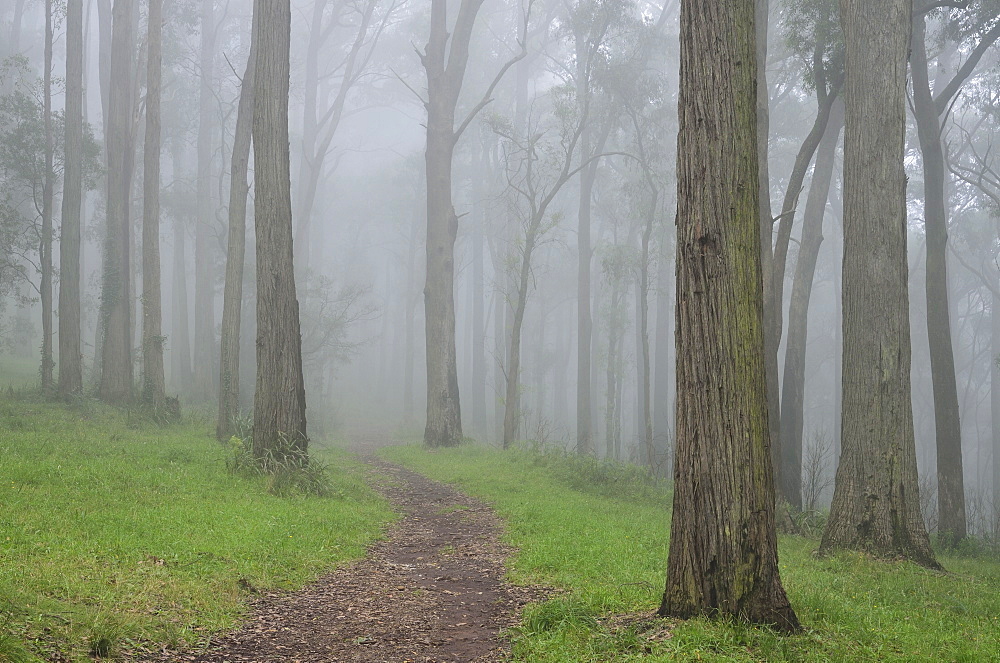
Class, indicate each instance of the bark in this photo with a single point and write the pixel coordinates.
(478, 301)
(584, 321)
(204, 272)
(662, 400)
(279, 424)
(116, 371)
(445, 59)
(152, 335)
(723, 557)
(771, 307)
(232, 303)
(793, 385)
(47, 199)
(180, 331)
(876, 506)
(995, 400)
(512, 409)
(927, 111)
(70, 358)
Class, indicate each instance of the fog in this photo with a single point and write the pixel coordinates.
(588, 114)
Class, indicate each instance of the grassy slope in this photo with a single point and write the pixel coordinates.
(606, 545)
(115, 530)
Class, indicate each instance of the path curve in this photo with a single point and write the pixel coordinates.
(432, 590)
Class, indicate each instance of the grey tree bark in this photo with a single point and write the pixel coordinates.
(232, 303)
(875, 503)
(793, 385)
(928, 109)
(204, 271)
(116, 370)
(70, 358)
(445, 59)
(45, 250)
(723, 557)
(153, 388)
(279, 422)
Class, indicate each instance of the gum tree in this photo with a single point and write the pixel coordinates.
(723, 546)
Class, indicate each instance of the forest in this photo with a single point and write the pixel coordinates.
(499, 330)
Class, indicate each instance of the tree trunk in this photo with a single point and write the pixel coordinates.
(70, 358)
(445, 65)
(411, 320)
(995, 401)
(793, 386)
(232, 303)
(279, 423)
(771, 307)
(662, 401)
(180, 326)
(584, 436)
(876, 507)
(152, 335)
(948, 427)
(723, 550)
(478, 302)
(204, 271)
(512, 409)
(116, 371)
(47, 195)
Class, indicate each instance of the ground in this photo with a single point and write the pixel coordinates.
(432, 590)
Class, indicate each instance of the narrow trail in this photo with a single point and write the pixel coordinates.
(433, 590)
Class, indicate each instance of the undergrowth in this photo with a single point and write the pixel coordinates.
(601, 537)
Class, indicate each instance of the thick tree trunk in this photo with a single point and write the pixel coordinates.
(153, 387)
(204, 270)
(793, 386)
(445, 59)
(232, 303)
(116, 371)
(723, 548)
(48, 363)
(876, 506)
(951, 483)
(70, 358)
(279, 423)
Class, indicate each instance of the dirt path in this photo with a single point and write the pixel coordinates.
(433, 590)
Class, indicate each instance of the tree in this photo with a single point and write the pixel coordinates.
(45, 250)
(232, 303)
(928, 108)
(70, 359)
(279, 419)
(445, 59)
(876, 506)
(152, 335)
(116, 318)
(723, 546)
(793, 385)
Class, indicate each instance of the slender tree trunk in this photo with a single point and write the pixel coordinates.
(876, 506)
(793, 386)
(771, 338)
(584, 436)
(204, 271)
(951, 484)
(662, 401)
(180, 322)
(279, 425)
(116, 373)
(70, 358)
(232, 305)
(478, 302)
(48, 363)
(152, 335)
(411, 321)
(723, 547)
(995, 401)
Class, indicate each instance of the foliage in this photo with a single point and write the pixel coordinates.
(113, 535)
(607, 555)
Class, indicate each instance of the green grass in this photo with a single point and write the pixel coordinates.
(602, 539)
(114, 531)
